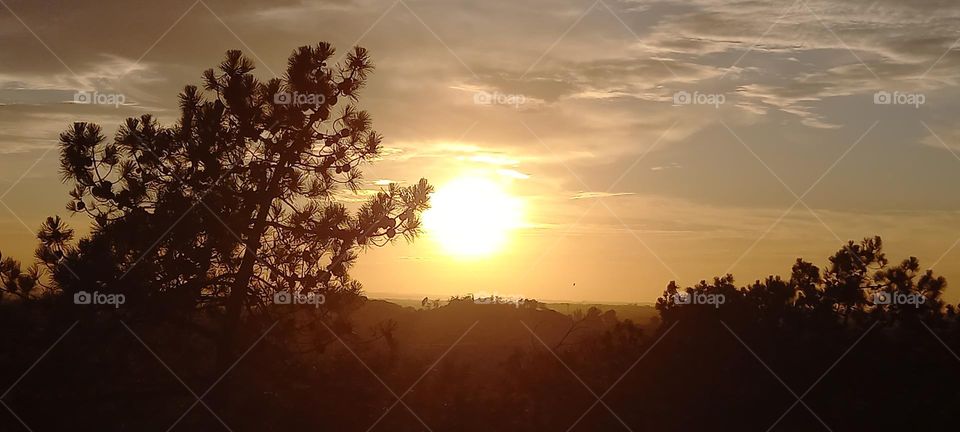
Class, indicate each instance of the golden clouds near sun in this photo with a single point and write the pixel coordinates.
(472, 216)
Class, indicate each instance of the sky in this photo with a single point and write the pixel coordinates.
(649, 141)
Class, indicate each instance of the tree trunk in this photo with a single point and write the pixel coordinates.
(226, 353)
(238, 292)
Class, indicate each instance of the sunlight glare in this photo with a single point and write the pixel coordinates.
(472, 216)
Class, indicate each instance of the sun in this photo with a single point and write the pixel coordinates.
(472, 216)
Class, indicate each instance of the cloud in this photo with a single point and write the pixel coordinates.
(386, 182)
(589, 195)
(672, 165)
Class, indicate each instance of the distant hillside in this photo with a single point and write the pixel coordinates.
(640, 314)
(498, 331)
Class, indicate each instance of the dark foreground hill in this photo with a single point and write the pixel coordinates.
(859, 345)
(488, 330)
(473, 367)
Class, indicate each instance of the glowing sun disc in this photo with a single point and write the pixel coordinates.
(472, 216)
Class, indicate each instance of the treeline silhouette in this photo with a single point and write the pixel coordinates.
(213, 293)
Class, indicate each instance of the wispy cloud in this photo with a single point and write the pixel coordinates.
(589, 195)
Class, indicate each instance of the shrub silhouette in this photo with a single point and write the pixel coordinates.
(15, 282)
(859, 284)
